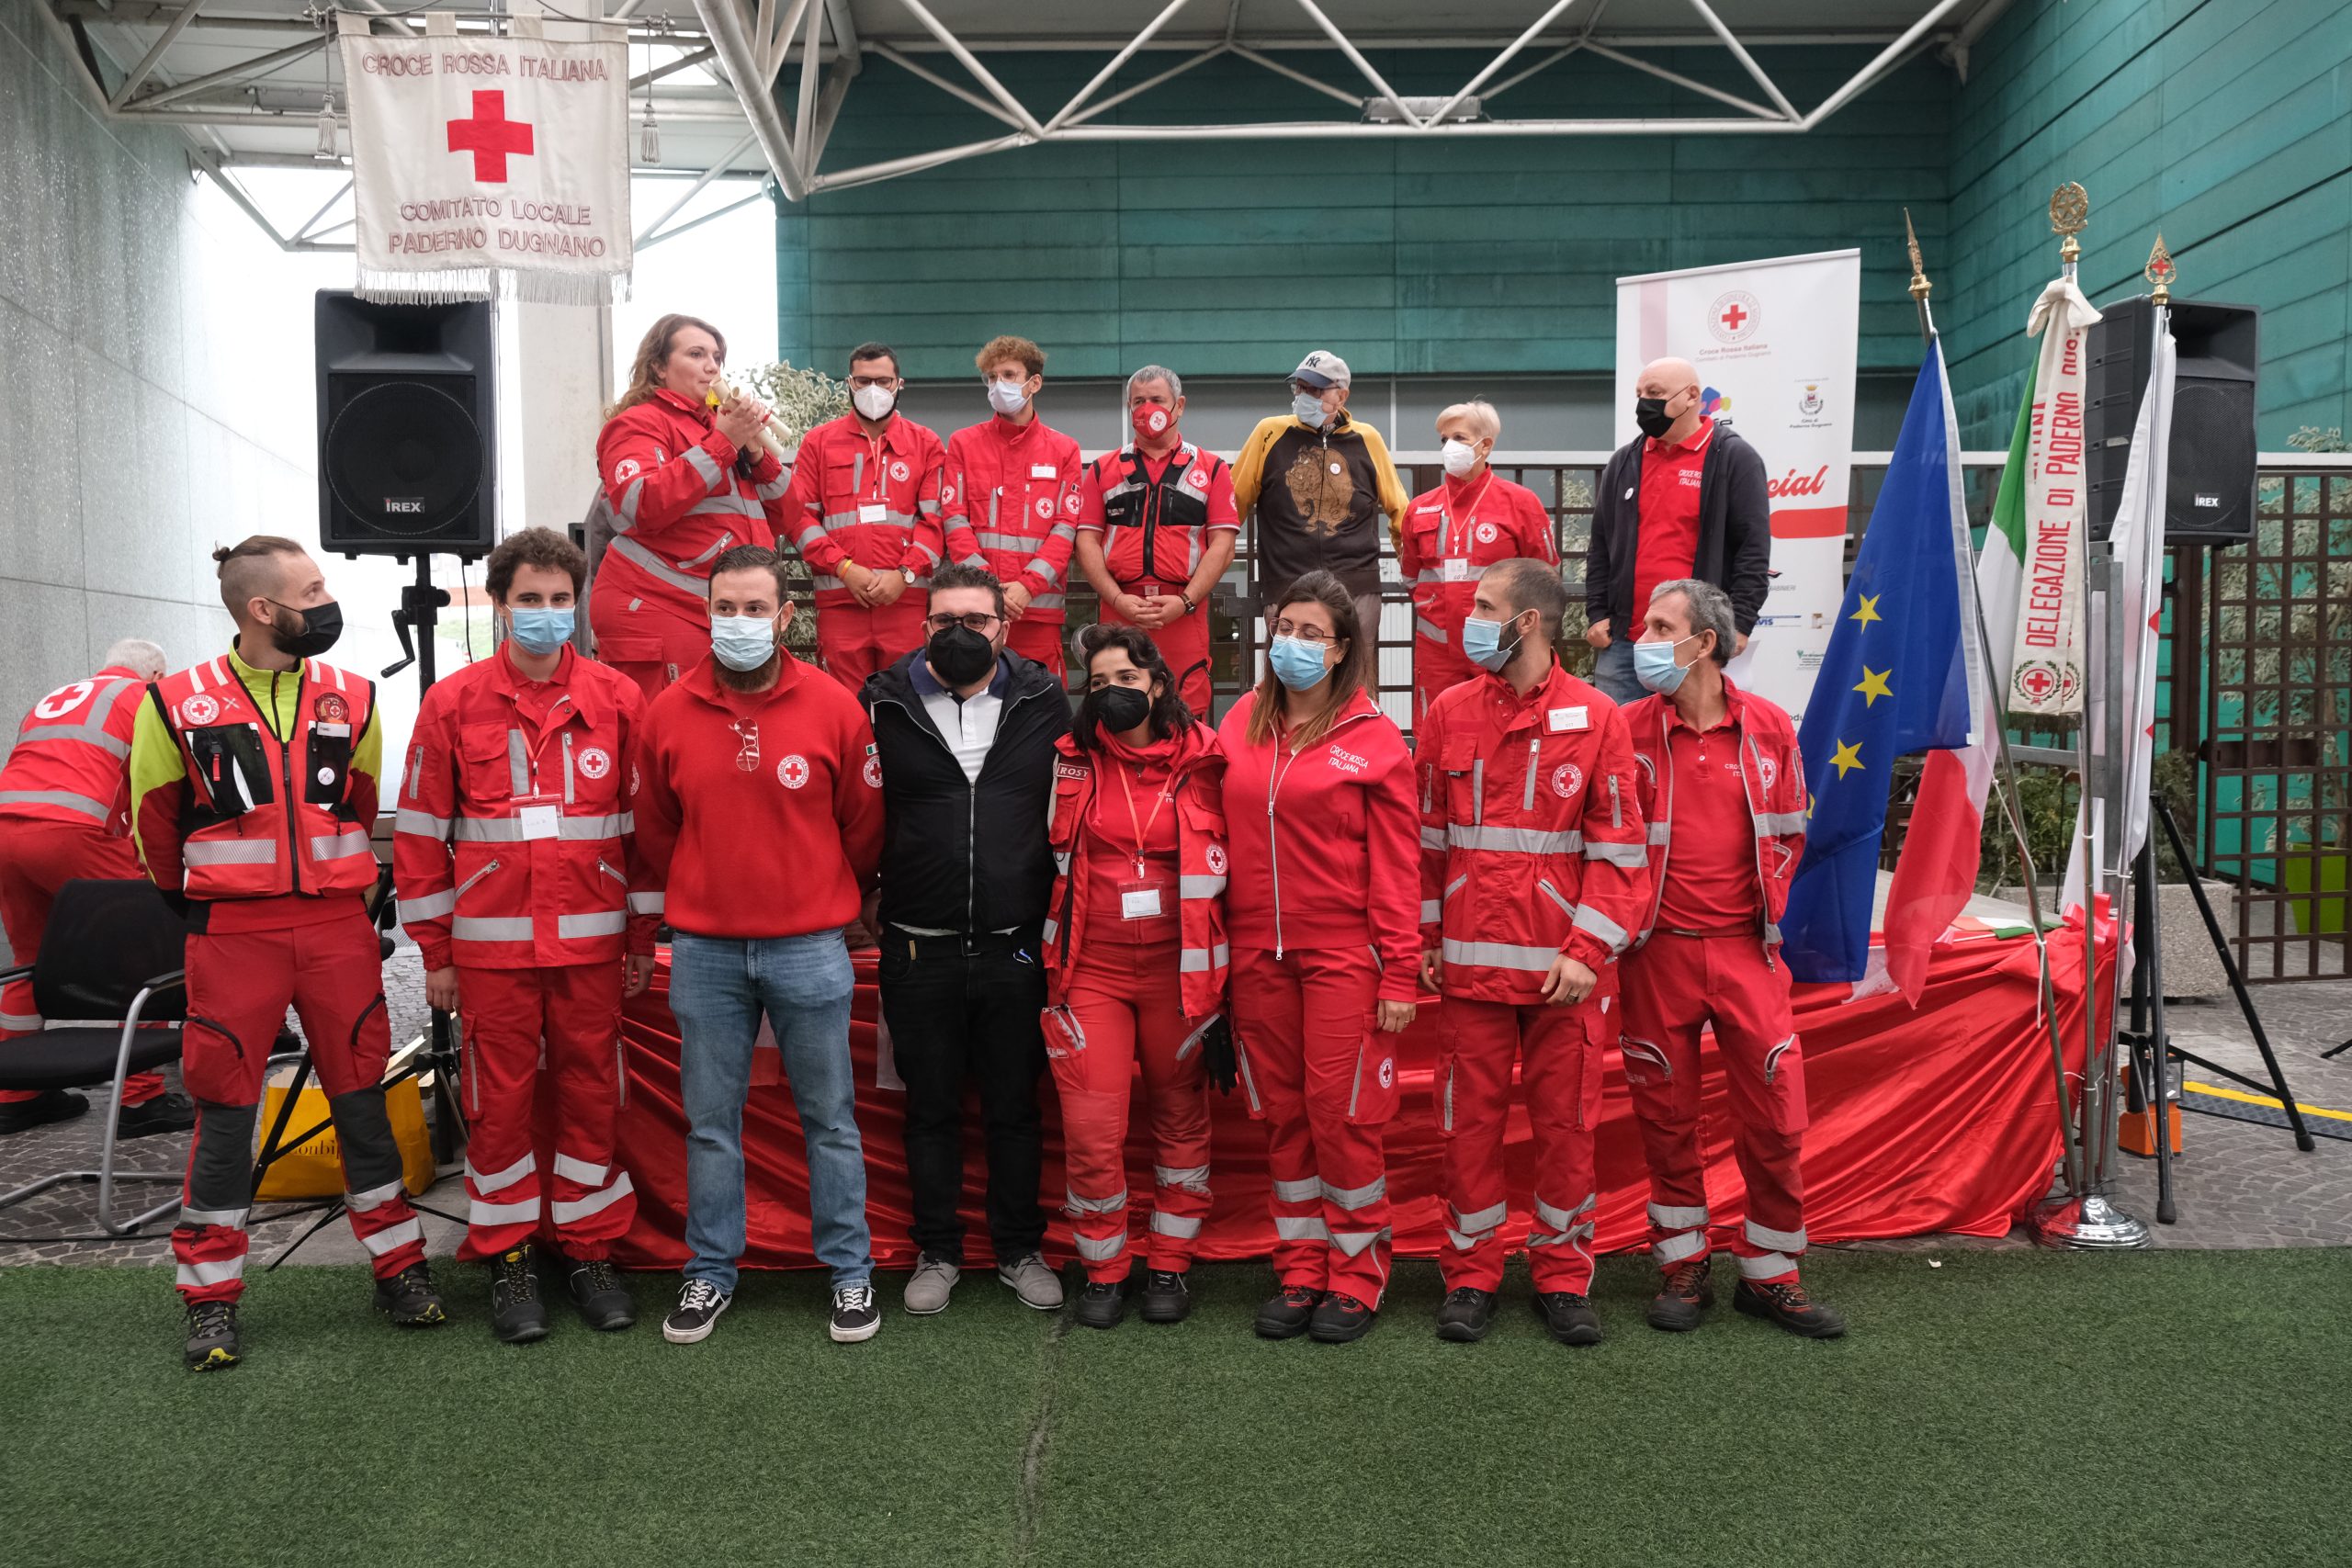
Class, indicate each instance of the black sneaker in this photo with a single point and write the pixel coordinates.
(1784, 1303)
(855, 1315)
(164, 1113)
(696, 1314)
(597, 1291)
(1166, 1297)
(1570, 1316)
(211, 1335)
(1286, 1315)
(1102, 1304)
(410, 1298)
(49, 1105)
(517, 1316)
(1685, 1293)
(1465, 1315)
(1340, 1318)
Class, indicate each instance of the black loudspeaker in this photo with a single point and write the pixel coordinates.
(2210, 492)
(408, 429)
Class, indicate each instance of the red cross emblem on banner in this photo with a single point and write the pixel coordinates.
(1732, 317)
(489, 136)
(2038, 682)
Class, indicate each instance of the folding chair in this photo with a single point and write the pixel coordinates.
(112, 950)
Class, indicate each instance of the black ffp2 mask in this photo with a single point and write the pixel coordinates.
(1651, 415)
(321, 626)
(1115, 710)
(959, 655)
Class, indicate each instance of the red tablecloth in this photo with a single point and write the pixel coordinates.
(1934, 1119)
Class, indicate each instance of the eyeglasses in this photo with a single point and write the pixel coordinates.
(885, 382)
(977, 621)
(1314, 637)
(747, 730)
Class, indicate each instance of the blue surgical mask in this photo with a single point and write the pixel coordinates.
(540, 631)
(1482, 644)
(1297, 665)
(1308, 407)
(743, 643)
(1655, 668)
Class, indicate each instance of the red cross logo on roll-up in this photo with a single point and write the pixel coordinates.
(489, 136)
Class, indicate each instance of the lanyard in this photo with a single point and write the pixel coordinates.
(1469, 519)
(1142, 828)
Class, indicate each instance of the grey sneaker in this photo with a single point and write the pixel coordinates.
(934, 1279)
(1036, 1285)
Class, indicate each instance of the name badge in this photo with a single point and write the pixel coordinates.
(1139, 901)
(873, 512)
(1044, 471)
(1454, 571)
(1567, 719)
(541, 822)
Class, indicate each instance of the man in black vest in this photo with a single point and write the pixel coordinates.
(965, 734)
(1156, 528)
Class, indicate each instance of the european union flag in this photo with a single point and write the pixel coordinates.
(1894, 681)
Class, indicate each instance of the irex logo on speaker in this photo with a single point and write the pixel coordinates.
(404, 503)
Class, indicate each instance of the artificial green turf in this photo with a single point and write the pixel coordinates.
(2152, 1410)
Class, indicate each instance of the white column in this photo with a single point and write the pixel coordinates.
(559, 364)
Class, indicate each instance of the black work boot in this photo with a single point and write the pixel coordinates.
(164, 1113)
(1783, 1301)
(211, 1335)
(1684, 1295)
(49, 1105)
(596, 1290)
(1286, 1314)
(1570, 1316)
(1166, 1297)
(518, 1314)
(1465, 1315)
(1339, 1319)
(1102, 1304)
(410, 1299)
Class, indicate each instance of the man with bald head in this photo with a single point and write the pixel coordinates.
(1684, 498)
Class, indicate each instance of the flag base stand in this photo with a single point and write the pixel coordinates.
(2088, 1224)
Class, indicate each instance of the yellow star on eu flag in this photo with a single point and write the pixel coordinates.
(1874, 685)
(1868, 612)
(1849, 758)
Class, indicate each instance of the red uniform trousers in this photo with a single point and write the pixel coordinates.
(684, 644)
(1438, 666)
(1131, 1012)
(1185, 644)
(1326, 1083)
(1040, 641)
(1672, 987)
(36, 860)
(1559, 1050)
(855, 642)
(239, 986)
(568, 1017)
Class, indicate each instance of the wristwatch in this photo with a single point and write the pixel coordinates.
(1190, 608)
(908, 573)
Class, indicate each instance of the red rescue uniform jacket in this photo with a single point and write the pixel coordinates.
(1771, 779)
(1155, 515)
(678, 502)
(1452, 533)
(72, 760)
(872, 499)
(1011, 502)
(511, 848)
(1325, 837)
(1188, 771)
(758, 814)
(1531, 839)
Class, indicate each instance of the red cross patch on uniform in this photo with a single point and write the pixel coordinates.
(626, 469)
(899, 471)
(1567, 779)
(1487, 533)
(332, 709)
(199, 710)
(1045, 507)
(595, 762)
(1215, 858)
(873, 773)
(1767, 770)
(793, 771)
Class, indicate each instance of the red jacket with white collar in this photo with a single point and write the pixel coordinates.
(1326, 842)
(678, 502)
(512, 847)
(1011, 504)
(1531, 839)
(1769, 771)
(758, 814)
(868, 498)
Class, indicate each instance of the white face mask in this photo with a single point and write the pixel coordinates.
(1007, 398)
(873, 402)
(1461, 456)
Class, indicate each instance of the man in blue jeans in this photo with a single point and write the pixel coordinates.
(758, 802)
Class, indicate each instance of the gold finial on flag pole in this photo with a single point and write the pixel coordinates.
(1919, 283)
(2159, 272)
(2070, 211)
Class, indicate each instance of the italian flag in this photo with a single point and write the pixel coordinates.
(2000, 565)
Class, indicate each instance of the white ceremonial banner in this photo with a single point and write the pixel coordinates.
(2047, 670)
(1774, 342)
(489, 165)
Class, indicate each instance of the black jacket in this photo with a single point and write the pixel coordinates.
(958, 856)
(1735, 534)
